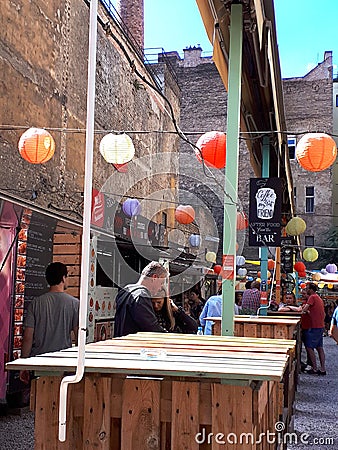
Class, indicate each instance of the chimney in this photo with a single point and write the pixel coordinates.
(132, 14)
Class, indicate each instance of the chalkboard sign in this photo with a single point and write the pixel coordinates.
(39, 253)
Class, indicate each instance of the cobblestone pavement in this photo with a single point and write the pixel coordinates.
(316, 418)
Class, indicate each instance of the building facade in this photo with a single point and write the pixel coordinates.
(308, 107)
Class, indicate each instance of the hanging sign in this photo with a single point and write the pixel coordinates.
(265, 212)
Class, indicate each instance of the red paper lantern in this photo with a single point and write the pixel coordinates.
(185, 214)
(36, 146)
(271, 264)
(212, 149)
(302, 285)
(299, 267)
(217, 269)
(316, 151)
(242, 221)
(302, 274)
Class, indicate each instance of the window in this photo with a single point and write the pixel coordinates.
(309, 199)
(309, 241)
(292, 146)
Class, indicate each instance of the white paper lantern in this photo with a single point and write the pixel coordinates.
(242, 272)
(210, 257)
(117, 148)
(240, 260)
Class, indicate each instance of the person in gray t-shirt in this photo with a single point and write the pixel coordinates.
(51, 317)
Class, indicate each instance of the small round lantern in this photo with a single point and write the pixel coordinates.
(242, 272)
(117, 148)
(242, 221)
(321, 285)
(217, 269)
(302, 285)
(323, 271)
(316, 151)
(185, 214)
(210, 257)
(299, 267)
(331, 268)
(131, 207)
(195, 240)
(295, 226)
(240, 260)
(212, 149)
(36, 145)
(329, 285)
(316, 276)
(271, 264)
(310, 254)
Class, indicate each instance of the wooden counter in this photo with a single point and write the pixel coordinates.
(204, 384)
(280, 327)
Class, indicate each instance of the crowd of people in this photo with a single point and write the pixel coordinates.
(52, 321)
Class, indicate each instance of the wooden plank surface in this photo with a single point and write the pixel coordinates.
(140, 415)
(187, 355)
(96, 422)
(185, 415)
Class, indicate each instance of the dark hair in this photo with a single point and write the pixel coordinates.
(248, 284)
(154, 268)
(313, 287)
(55, 272)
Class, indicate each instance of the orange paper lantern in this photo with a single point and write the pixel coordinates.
(242, 221)
(185, 214)
(212, 149)
(36, 145)
(316, 151)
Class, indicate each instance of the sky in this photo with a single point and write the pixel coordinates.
(305, 30)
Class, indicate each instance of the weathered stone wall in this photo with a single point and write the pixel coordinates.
(43, 64)
(308, 108)
(204, 108)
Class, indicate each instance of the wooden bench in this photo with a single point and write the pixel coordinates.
(204, 384)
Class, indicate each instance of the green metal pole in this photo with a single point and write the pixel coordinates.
(231, 169)
(264, 250)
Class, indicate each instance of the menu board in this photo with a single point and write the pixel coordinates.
(39, 254)
(34, 253)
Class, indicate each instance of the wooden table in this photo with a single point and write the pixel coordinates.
(205, 384)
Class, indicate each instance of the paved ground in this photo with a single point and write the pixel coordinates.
(316, 419)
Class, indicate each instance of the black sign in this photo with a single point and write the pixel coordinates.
(265, 212)
(39, 254)
(108, 214)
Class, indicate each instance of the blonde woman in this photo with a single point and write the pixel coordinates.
(172, 317)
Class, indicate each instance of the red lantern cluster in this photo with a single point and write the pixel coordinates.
(212, 149)
(217, 269)
(185, 214)
(300, 267)
(36, 145)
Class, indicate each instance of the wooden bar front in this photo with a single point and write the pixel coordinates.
(204, 394)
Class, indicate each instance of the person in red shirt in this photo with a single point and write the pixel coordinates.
(314, 335)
